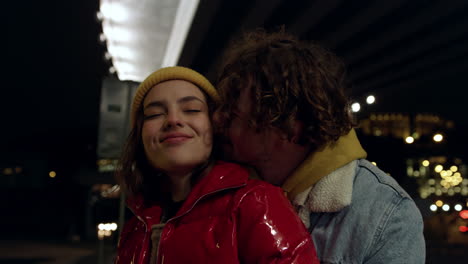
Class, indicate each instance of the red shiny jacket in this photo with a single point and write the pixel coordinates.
(227, 218)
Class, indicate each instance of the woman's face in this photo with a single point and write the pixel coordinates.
(177, 133)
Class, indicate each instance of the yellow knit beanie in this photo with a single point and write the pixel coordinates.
(167, 74)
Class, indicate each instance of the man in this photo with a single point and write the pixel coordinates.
(286, 115)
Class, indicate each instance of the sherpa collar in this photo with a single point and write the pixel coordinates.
(324, 162)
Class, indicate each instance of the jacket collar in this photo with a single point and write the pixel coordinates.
(331, 194)
(323, 162)
(222, 176)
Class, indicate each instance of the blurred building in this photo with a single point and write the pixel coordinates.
(425, 149)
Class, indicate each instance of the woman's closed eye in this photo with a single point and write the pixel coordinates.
(192, 110)
(152, 116)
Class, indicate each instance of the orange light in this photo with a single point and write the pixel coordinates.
(52, 174)
(464, 214)
(463, 229)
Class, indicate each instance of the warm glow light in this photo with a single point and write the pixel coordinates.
(115, 11)
(124, 66)
(107, 55)
(373, 162)
(458, 207)
(464, 214)
(425, 163)
(409, 140)
(99, 16)
(370, 99)
(454, 168)
(439, 203)
(144, 35)
(183, 20)
(463, 229)
(121, 52)
(446, 207)
(355, 107)
(52, 174)
(438, 168)
(102, 37)
(438, 138)
(118, 34)
(433, 207)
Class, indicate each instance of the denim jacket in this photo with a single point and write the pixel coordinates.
(359, 214)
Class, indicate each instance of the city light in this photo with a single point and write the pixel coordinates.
(106, 229)
(409, 140)
(446, 207)
(458, 207)
(464, 214)
(375, 163)
(439, 203)
(438, 168)
(425, 163)
(370, 99)
(433, 207)
(355, 107)
(8, 171)
(454, 168)
(438, 138)
(52, 174)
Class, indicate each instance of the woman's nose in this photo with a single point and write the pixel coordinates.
(174, 119)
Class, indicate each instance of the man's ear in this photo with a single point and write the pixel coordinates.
(298, 129)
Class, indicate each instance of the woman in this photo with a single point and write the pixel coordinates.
(189, 208)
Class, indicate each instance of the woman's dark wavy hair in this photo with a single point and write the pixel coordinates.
(135, 174)
(288, 80)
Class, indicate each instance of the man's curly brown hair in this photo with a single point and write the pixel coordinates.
(288, 80)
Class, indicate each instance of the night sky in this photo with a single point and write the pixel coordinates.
(54, 68)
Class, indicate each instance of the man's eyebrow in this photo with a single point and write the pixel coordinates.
(190, 98)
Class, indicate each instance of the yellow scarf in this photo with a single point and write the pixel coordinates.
(321, 163)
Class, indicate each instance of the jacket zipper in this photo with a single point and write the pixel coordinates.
(146, 231)
(193, 205)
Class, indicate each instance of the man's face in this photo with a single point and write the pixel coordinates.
(245, 144)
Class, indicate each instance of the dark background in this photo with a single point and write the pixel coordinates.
(412, 55)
